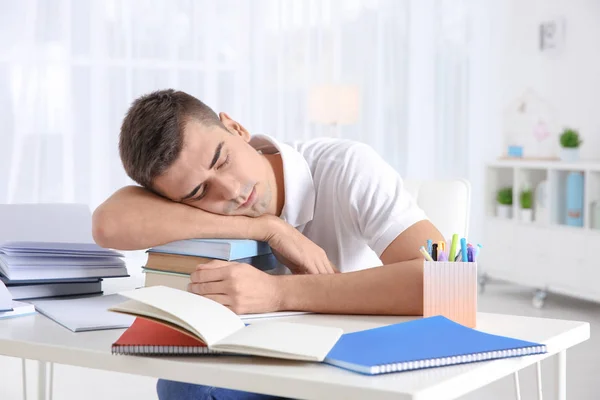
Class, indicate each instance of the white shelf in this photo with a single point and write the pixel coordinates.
(589, 165)
(538, 225)
(547, 254)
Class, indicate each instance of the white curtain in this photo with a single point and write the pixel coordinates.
(70, 68)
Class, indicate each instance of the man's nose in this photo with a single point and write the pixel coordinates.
(228, 187)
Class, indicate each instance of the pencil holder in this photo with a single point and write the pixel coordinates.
(450, 289)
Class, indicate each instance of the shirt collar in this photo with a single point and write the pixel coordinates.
(299, 188)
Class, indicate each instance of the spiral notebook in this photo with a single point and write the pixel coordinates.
(146, 337)
(422, 343)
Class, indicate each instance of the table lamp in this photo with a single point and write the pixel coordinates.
(333, 105)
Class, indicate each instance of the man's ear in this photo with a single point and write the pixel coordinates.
(234, 127)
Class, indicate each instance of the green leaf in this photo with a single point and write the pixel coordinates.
(505, 196)
(570, 138)
(526, 199)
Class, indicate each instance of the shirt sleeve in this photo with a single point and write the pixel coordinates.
(374, 197)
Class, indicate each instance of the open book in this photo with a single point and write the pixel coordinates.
(224, 331)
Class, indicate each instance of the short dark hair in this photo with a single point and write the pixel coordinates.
(151, 135)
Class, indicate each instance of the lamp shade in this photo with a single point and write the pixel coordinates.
(333, 104)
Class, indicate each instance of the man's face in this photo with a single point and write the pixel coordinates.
(219, 172)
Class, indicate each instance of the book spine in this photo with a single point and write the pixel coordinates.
(159, 350)
(464, 359)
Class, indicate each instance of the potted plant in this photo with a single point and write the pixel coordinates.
(504, 198)
(526, 200)
(570, 142)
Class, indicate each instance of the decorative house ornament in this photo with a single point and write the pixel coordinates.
(529, 128)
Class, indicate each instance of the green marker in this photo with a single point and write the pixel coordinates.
(453, 246)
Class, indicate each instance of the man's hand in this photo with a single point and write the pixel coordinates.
(296, 251)
(240, 287)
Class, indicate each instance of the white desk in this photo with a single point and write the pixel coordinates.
(39, 338)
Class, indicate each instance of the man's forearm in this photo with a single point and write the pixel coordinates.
(394, 289)
(133, 218)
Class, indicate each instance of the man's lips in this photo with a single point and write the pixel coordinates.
(250, 199)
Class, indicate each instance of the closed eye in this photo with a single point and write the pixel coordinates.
(203, 192)
(204, 189)
(224, 163)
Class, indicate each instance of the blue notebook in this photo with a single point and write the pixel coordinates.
(223, 249)
(422, 343)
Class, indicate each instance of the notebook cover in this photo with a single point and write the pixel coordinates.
(224, 249)
(145, 336)
(422, 343)
(87, 313)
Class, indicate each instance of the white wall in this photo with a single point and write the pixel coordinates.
(570, 79)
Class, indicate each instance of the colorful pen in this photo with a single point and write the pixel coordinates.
(429, 247)
(470, 252)
(434, 251)
(453, 245)
(425, 254)
(442, 256)
(463, 250)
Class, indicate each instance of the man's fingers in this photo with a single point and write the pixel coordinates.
(320, 269)
(207, 288)
(213, 264)
(201, 275)
(312, 270)
(330, 268)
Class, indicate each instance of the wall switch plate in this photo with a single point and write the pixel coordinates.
(552, 34)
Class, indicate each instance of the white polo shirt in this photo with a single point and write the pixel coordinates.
(344, 197)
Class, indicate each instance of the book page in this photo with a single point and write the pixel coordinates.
(287, 340)
(211, 320)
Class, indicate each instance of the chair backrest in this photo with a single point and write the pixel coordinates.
(447, 203)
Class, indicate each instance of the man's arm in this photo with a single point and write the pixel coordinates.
(396, 288)
(134, 218)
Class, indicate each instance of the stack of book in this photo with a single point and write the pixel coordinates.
(171, 264)
(33, 270)
(47, 250)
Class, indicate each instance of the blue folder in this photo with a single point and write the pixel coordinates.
(422, 343)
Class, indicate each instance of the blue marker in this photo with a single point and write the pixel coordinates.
(463, 250)
(429, 246)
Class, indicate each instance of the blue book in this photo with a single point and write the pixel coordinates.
(223, 249)
(422, 343)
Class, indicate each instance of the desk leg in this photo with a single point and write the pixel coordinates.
(42, 380)
(517, 386)
(52, 380)
(561, 379)
(538, 367)
(24, 377)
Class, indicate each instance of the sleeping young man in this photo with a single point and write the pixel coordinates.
(324, 206)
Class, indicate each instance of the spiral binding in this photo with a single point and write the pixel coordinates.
(160, 350)
(464, 359)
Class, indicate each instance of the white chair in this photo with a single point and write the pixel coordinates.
(447, 203)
